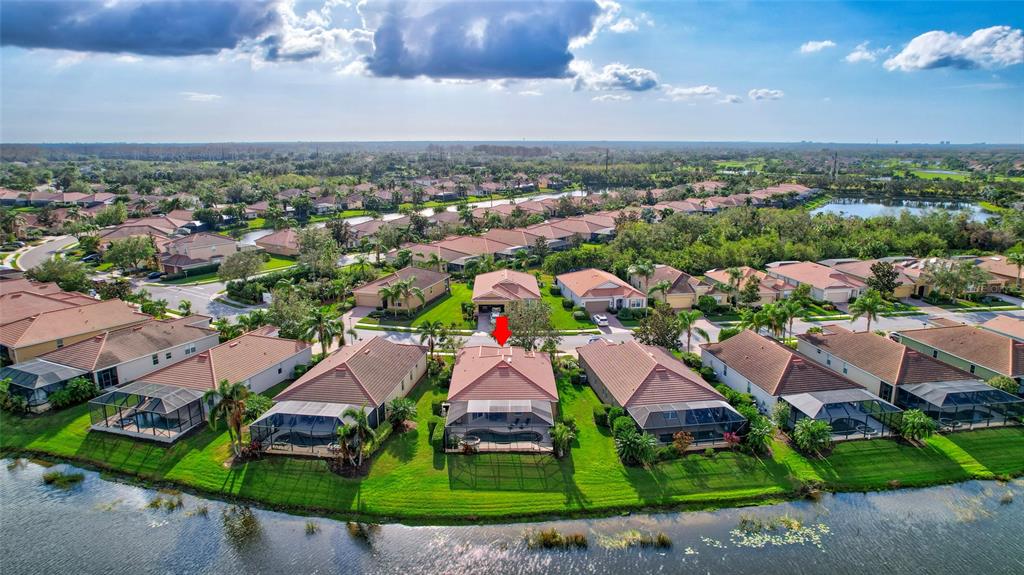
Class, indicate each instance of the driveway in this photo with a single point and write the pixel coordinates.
(201, 297)
(44, 251)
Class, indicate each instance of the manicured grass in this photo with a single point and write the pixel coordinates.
(278, 262)
(560, 317)
(409, 481)
(275, 263)
(447, 309)
(815, 310)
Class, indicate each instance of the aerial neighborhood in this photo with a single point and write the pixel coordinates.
(436, 324)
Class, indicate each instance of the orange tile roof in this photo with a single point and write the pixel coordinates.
(488, 372)
(986, 348)
(69, 322)
(505, 285)
(593, 282)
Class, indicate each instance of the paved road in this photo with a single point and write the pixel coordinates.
(44, 251)
(201, 297)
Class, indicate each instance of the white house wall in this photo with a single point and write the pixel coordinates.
(277, 373)
(131, 370)
(737, 382)
(871, 382)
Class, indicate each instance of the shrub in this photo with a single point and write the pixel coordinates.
(555, 290)
(1004, 383)
(728, 332)
(915, 425)
(812, 435)
(570, 422)
(681, 441)
(579, 315)
(9, 402)
(566, 304)
(691, 360)
(707, 304)
(300, 370)
(708, 374)
(615, 413)
(256, 405)
(666, 453)
(435, 407)
(781, 414)
(601, 415)
(625, 313)
(437, 437)
(622, 426)
(636, 448)
(709, 453)
(74, 392)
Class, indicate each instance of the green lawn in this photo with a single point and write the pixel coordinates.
(815, 310)
(561, 317)
(278, 262)
(408, 481)
(447, 309)
(274, 263)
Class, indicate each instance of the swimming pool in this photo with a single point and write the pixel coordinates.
(496, 437)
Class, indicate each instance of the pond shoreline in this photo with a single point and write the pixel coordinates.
(112, 473)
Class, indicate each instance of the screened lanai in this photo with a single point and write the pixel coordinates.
(148, 410)
(301, 427)
(707, 421)
(961, 404)
(852, 413)
(36, 379)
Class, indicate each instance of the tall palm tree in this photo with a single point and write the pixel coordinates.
(644, 269)
(323, 324)
(1017, 259)
(227, 402)
(228, 330)
(406, 289)
(688, 321)
(389, 295)
(361, 265)
(255, 319)
(430, 333)
(735, 276)
(868, 305)
(790, 309)
(361, 430)
(661, 287)
(433, 261)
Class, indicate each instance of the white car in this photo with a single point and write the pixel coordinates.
(494, 317)
(594, 338)
(600, 320)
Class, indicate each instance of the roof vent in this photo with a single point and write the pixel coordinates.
(233, 344)
(341, 368)
(15, 295)
(660, 369)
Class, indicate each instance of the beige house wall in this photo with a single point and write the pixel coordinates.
(28, 352)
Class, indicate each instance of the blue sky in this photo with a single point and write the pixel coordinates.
(245, 70)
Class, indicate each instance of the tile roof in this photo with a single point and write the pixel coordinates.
(488, 372)
(202, 239)
(637, 374)
(286, 238)
(118, 346)
(69, 322)
(235, 360)
(363, 374)
(593, 282)
(816, 275)
(773, 367)
(506, 285)
(979, 346)
(422, 278)
(473, 245)
(680, 282)
(884, 358)
(20, 305)
(768, 284)
(513, 237)
(1006, 325)
(998, 265)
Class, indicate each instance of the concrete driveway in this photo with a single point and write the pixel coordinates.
(36, 255)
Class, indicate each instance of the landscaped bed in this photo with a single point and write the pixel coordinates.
(409, 482)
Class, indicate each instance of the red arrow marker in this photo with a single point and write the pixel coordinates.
(501, 332)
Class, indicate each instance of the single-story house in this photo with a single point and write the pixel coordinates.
(769, 289)
(501, 399)
(196, 251)
(659, 392)
(432, 283)
(683, 289)
(981, 352)
(495, 290)
(1001, 269)
(365, 376)
(597, 290)
(167, 403)
(1007, 325)
(282, 243)
(827, 284)
(111, 358)
(909, 279)
(27, 337)
(772, 372)
(911, 379)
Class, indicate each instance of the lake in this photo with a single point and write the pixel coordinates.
(866, 207)
(106, 527)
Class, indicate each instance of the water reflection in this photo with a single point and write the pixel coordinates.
(104, 527)
(867, 207)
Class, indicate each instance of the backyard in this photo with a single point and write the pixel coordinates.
(408, 481)
(274, 263)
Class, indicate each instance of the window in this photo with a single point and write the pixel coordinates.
(167, 355)
(725, 370)
(278, 369)
(972, 368)
(748, 387)
(819, 352)
(190, 349)
(935, 353)
(60, 343)
(828, 360)
(844, 367)
(671, 415)
(156, 359)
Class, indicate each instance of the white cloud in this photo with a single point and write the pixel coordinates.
(200, 97)
(612, 98)
(731, 99)
(71, 59)
(816, 46)
(531, 93)
(678, 93)
(624, 25)
(128, 59)
(994, 47)
(613, 76)
(609, 12)
(862, 53)
(765, 94)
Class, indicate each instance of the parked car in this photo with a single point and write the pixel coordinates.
(600, 320)
(594, 338)
(155, 275)
(91, 258)
(13, 245)
(494, 317)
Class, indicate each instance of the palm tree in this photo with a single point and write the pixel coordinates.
(432, 261)
(562, 437)
(389, 295)
(185, 307)
(868, 305)
(228, 330)
(430, 332)
(401, 409)
(360, 426)
(406, 289)
(688, 321)
(735, 276)
(227, 402)
(522, 259)
(1017, 259)
(663, 286)
(790, 309)
(323, 324)
(361, 265)
(644, 269)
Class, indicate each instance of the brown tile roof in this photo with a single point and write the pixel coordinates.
(816, 275)
(362, 374)
(593, 282)
(487, 372)
(422, 278)
(20, 305)
(236, 360)
(23, 285)
(637, 374)
(202, 239)
(514, 237)
(549, 230)
(121, 345)
(979, 346)
(884, 358)
(679, 282)
(774, 367)
(1007, 325)
(286, 238)
(768, 284)
(998, 265)
(505, 285)
(69, 322)
(473, 245)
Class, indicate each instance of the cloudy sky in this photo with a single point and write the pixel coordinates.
(251, 70)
